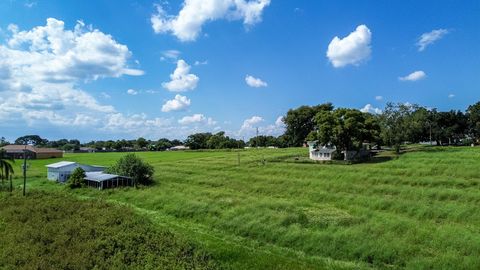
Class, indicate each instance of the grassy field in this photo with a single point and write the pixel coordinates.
(417, 211)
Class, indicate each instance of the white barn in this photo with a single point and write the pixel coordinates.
(60, 171)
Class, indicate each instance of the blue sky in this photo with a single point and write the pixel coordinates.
(123, 69)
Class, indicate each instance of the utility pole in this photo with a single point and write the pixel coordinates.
(431, 134)
(24, 170)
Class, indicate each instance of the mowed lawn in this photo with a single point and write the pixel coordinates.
(417, 211)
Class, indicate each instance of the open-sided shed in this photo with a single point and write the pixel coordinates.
(102, 180)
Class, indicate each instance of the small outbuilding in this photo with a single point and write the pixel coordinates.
(60, 171)
(103, 180)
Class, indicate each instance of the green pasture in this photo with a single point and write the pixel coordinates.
(273, 210)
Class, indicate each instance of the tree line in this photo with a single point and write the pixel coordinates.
(399, 123)
(345, 128)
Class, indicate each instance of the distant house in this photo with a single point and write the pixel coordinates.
(178, 148)
(85, 150)
(326, 152)
(17, 151)
(317, 152)
(60, 171)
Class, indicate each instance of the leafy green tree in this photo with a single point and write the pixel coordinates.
(347, 129)
(263, 141)
(31, 139)
(163, 144)
(198, 140)
(141, 143)
(6, 168)
(396, 124)
(300, 122)
(176, 142)
(132, 166)
(3, 142)
(473, 116)
(77, 178)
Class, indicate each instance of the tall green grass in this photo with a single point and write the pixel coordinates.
(418, 211)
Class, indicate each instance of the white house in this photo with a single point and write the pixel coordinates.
(60, 171)
(324, 152)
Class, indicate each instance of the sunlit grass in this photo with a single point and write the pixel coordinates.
(417, 210)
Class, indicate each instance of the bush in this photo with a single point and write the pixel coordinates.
(132, 166)
(57, 231)
(76, 179)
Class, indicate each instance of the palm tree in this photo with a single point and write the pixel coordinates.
(6, 168)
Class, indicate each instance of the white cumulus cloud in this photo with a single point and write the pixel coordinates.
(187, 25)
(255, 82)
(370, 109)
(252, 122)
(250, 125)
(352, 49)
(414, 76)
(181, 79)
(429, 38)
(132, 92)
(197, 118)
(379, 98)
(41, 68)
(177, 104)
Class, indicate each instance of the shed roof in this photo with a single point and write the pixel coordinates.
(101, 176)
(60, 164)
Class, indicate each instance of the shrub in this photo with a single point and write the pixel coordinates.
(56, 231)
(132, 166)
(76, 179)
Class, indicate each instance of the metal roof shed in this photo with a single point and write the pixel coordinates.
(102, 180)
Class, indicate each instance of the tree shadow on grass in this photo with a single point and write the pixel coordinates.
(380, 159)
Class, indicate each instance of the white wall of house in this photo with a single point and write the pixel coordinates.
(315, 155)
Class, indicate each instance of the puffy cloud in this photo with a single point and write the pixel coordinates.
(176, 104)
(414, 76)
(197, 119)
(187, 25)
(255, 82)
(181, 79)
(451, 96)
(41, 68)
(379, 98)
(352, 49)
(250, 125)
(251, 122)
(58, 55)
(370, 109)
(429, 38)
(132, 92)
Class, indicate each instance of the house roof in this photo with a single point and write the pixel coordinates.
(60, 164)
(20, 148)
(326, 149)
(101, 176)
